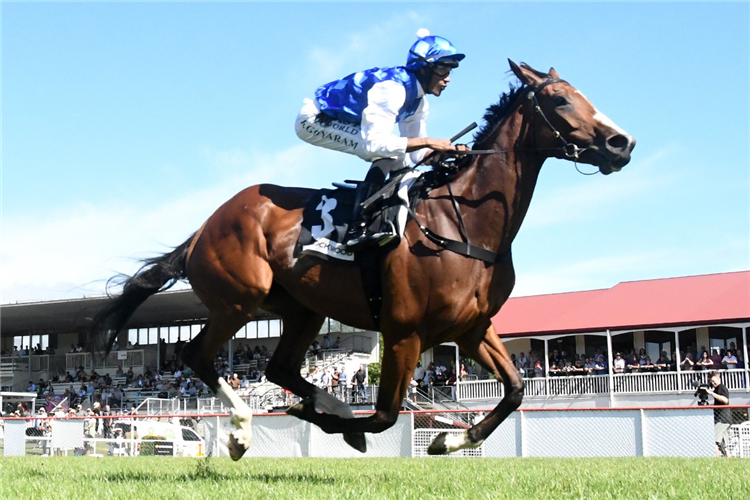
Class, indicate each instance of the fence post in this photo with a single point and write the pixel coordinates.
(412, 431)
(522, 433)
(216, 436)
(642, 415)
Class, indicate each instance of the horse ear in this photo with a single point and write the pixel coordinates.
(553, 73)
(524, 74)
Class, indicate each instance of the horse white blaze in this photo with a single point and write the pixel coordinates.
(242, 416)
(602, 118)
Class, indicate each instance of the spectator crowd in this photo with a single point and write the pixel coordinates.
(562, 363)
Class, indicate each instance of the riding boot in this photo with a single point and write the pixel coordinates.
(359, 236)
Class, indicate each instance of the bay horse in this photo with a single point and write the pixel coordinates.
(242, 259)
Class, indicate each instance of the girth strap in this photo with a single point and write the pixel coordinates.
(461, 247)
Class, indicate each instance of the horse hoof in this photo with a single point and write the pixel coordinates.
(356, 440)
(438, 446)
(236, 448)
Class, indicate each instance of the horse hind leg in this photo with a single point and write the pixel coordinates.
(399, 360)
(199, 354)
(490, 353)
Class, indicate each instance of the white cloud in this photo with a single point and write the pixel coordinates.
(73, 251)
(364, 47)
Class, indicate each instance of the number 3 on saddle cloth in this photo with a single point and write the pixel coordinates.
(327, 216)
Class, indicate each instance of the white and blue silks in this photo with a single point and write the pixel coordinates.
(360, 113)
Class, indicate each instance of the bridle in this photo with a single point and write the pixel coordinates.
(569, 150)
(465, 247)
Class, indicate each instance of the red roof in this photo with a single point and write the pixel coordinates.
(691, 300)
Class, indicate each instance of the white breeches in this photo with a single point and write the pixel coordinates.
(336, 135)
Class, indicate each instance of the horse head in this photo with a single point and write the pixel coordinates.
(566, 125)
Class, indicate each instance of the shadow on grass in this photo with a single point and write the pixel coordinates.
(205, 471)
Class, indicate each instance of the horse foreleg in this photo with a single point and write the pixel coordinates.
(490, 352)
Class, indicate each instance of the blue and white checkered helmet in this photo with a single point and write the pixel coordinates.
(430, 50)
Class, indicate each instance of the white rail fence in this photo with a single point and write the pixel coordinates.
(526, 433)
(629, 383)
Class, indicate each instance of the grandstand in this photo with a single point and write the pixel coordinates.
(676, 316)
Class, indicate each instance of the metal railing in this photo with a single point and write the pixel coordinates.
(214, 405)
(325, 360)
(578, 385)
(159, 406)
(133, 358)
(480, 389)
(357, 343)
(629, 383)
(638, 383)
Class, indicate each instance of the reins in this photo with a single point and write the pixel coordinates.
(465, 247)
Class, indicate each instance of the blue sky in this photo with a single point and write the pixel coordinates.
(124, 125)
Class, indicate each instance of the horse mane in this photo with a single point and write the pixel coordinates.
(496, 112)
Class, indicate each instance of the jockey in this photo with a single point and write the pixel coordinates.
(357, 114)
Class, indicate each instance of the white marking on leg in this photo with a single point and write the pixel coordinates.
(242, 417)
(455, 442)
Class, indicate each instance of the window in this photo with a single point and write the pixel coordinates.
(152, 335)
(188, 435)
(174, 334)
(274, 327)
(195, 330)
(262, 329)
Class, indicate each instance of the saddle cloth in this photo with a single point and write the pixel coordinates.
(327, 216)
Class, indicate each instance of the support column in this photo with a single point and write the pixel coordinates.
(230, 355)
(581, 344)
(678, 360)
(457, 365)
(702, 339)
(611, 369)
(744, 359)
(546, 367)
(639, 340)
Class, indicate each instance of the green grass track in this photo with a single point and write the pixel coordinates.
(363, 479)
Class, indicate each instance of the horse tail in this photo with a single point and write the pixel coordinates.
(157, 274)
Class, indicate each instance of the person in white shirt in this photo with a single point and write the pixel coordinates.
(619, 363)
(357, 114)
(419, 372)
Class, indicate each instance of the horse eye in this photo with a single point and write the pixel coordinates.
(559, 101)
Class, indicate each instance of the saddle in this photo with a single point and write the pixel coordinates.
(327, 215)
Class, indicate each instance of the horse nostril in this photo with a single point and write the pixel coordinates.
(618, 141)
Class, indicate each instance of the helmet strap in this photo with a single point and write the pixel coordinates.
(424, 76)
